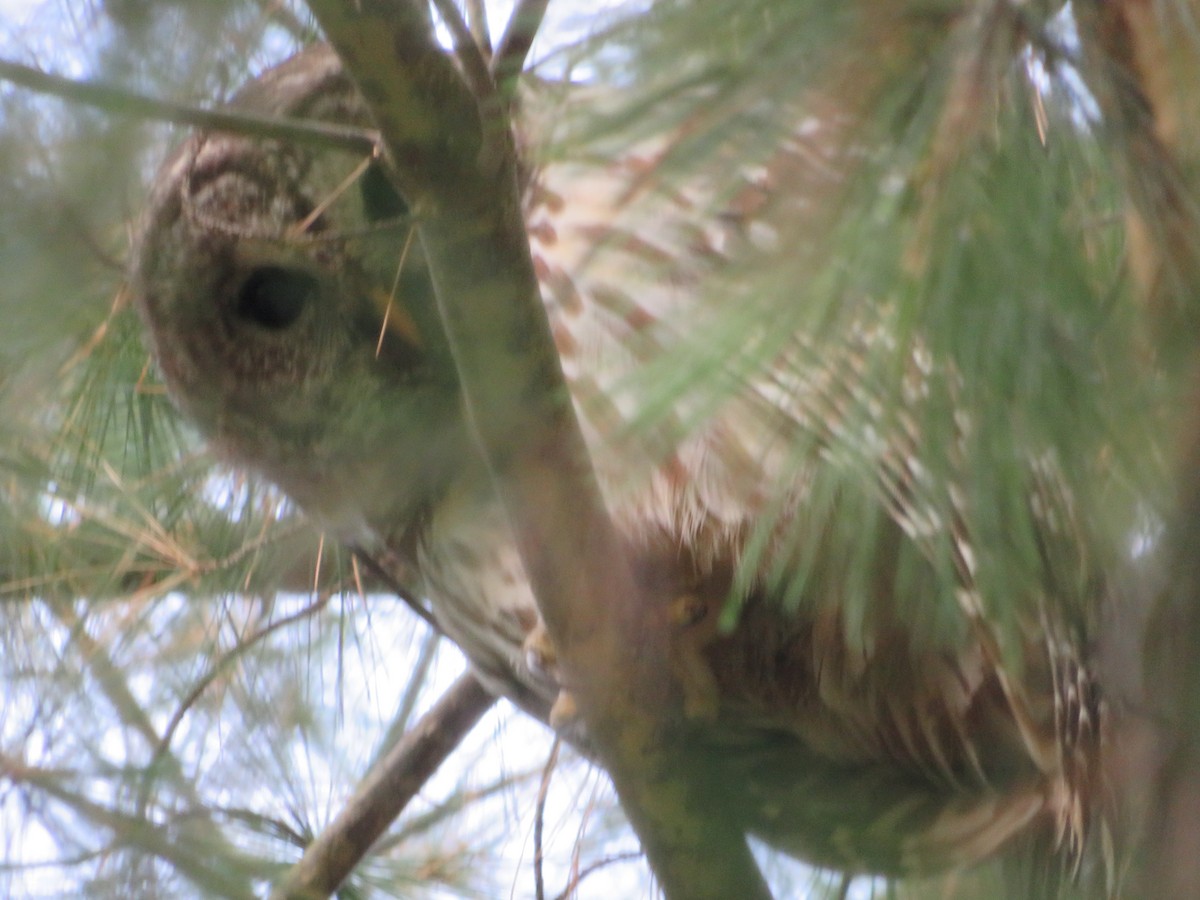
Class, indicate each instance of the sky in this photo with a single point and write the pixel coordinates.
(15, 10)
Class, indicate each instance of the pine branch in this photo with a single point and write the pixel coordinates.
(477, 20)
(385, 792)
(284, 558)
(119, 100)
(467, 50)
(516, 43)
(458, 173)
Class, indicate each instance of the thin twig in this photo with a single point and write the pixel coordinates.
(467, 51)
(115, 99)
(423, 823)
(594, 867)
(418, 673)
(539, 821)
(201, 686)
(380, 571)
(516, 42)
(422, 84)
(477, 20)
(493, 122)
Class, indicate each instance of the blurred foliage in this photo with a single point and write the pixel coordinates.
(974, 217)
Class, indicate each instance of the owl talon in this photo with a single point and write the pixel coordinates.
(565, 712)
(540, 652)
(542, 657)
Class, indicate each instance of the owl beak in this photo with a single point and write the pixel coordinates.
(395, 319)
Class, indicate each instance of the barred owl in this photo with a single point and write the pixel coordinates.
(289, 311)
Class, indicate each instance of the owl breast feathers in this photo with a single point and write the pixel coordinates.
(291, 315)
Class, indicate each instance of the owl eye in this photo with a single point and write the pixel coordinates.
(273, 297)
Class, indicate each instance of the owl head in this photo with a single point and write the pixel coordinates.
(291, 314)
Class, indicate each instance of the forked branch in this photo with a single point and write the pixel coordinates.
(458, 172)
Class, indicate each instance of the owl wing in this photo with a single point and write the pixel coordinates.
(860, 668)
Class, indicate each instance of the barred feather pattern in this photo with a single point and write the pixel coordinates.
(872, 748)
(964, 717)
